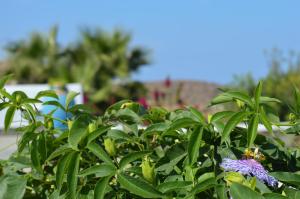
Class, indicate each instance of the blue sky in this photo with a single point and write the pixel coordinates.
(206, 40)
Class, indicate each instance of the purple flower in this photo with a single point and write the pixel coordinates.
(249, 167)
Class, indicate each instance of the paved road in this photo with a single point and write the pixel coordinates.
(7, 145)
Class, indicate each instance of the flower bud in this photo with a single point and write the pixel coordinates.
(131, 105)
(292, 117)
(126, 105)
(110, 147)
(18, 98)
(240, 104)
(148, 170)
(48, 122)
(70, 123)
(92, 127)
(209, 116)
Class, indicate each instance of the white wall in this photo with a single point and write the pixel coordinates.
(31, 90)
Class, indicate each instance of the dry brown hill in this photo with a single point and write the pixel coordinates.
(189, 92)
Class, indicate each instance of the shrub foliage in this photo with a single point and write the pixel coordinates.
(131, 153)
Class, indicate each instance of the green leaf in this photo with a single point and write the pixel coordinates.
(231, 177)
(35, 156)
(169, 166)
(288, 177)
(60, 151)
(62, 167)
(99, 170)
(100, 187)
(55, 103)
(194, 144)
(4, 79)
(138, 187)
(265, 121)
(198, 115)
(116, 106)
(95, 134)
(25, 139)
(81, 107)
(31, 101)
(230, 96)
(292, 193)
(297, 98)
(274, 196)
(118, 134)
(180, 123)
(206, 176)
(240, 96)
(9, 117)
(293, 129)
(42, 146)
(54, 195)
(232, 123)
(257, 94)
(46, 93)
(202, 186)
(221, 191)
(262, 187)
(132, 157)
(70, 97)
(128, 115)
(30, 111)
(173, 186)
(12, 186)
(3, 105)
(72, 174)
(6, 94)
(266, 100)
(157, 127)
(221, 115)
(220, 99)
(252, 130)
(99, 152)
(77, 133)
(238, 191)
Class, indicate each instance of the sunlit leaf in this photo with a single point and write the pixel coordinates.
(99, 152)
(173, 186)
(99, 170)
(46, 93)
(9, 117)
(132, 157)
(62, 167)
(232, 123)
(221, 115)
(252, 130)
(70, 97)
(138, 186)
(100, 188)
(194, 144)
(72, 173)
(4, 79)
(238, 191)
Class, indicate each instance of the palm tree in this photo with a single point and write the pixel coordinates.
(34, 60)
(99, 59)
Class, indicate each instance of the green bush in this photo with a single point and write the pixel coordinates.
(130, 153)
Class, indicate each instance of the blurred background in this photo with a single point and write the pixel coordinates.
(166, 53)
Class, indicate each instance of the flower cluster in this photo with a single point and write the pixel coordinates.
(249, 167)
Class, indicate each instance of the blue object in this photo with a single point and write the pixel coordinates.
(58, 113)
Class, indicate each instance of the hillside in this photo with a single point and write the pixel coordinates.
(178, 93)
